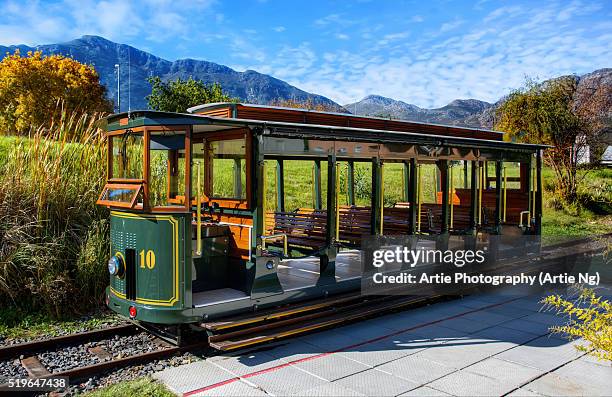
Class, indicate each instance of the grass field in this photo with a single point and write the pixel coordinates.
(141, 387)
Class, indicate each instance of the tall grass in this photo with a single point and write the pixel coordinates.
(53, 238)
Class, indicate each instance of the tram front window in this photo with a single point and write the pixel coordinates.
(167, 169)
(128, 156)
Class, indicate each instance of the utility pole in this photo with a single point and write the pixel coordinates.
(118, 88)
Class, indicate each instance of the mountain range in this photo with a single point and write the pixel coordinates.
(250, 86)
(253, 87)
(472, 112)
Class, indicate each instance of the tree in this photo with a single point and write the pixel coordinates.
(544, 113)
(179, 95)
(35, 90)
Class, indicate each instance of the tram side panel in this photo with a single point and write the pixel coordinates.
(150, 284)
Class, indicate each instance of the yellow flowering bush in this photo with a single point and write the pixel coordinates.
(35, 90)
(589, 318)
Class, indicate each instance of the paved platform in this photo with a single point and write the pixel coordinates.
(490, 344)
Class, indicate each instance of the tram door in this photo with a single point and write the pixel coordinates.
(219, 236)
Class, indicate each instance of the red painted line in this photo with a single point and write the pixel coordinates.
(301, 360)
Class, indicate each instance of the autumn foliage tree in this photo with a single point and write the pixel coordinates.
(544, 113)
(36, 90)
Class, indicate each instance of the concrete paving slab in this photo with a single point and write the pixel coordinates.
(511, 373)
(237, 388)
(292, 350)
(439, 334)
(286, 381)
(332, 367)
(464, 325)
(243, 364)
(330, 340)
(464, 383)
(473, 302)
(530, 303)
(501, 333)
(543, 353)
(509, 311)
(488, 317)
(548, 319)
(523, 393)
(332, 389)
(452, 355)
(374, 382)
(416, 369)
(364, 331)
(376, 353)
(499, 354)
(553, 385)
(594, 360)
(483, 346)
(424, 391)
(527, 326)
(412, 341)
(192, 376)
(596, 376)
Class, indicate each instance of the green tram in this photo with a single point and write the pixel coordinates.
(205, 222)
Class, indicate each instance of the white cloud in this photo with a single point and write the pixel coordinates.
(483, 60)
(342, 36)
(279, 29)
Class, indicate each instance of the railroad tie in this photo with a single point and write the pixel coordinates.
(34, 367)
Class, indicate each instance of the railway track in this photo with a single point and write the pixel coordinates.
(27, 352)
(248, 330)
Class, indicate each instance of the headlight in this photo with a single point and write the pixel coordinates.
(115, 266)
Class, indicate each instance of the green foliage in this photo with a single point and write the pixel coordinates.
(179, 95)
(35, 90)
(17, 324)
(141, 387)
(589, 318)
(53, 238)
(544, 113)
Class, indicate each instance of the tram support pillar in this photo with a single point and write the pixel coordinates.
(412, 197)
(262, 278)
(538, 187)
(280, 185)
(498, 196)
(327, 271)
(375, 220)
(350, 178)
(442, 240)
(317, 200)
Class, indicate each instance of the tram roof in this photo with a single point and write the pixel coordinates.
(204, 123)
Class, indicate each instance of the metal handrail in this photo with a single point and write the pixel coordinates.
(273, 236)
(521, 218)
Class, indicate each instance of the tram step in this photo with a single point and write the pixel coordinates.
(279, 313)
(290, 327)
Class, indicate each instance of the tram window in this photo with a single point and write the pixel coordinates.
(167, 170)
(121, 195)
(228, 168)
(127, 156)
(393, 180)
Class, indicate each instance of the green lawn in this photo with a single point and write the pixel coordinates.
(141, 387)
(15, 324)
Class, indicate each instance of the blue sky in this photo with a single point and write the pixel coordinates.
(422, 52)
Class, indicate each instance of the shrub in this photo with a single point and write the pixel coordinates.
(589, 317)
(35, 90)
(52, 235)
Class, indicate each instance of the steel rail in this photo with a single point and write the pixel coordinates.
(9, 351)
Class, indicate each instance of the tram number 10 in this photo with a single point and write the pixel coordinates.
(147, 259)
